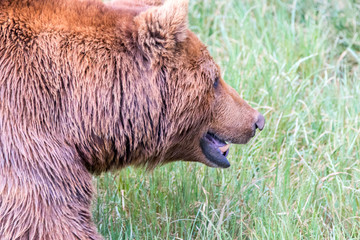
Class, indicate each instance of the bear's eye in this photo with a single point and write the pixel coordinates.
(216, 82)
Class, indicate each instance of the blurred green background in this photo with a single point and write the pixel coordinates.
(297, 62)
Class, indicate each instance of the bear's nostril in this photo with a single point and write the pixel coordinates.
(260, 123)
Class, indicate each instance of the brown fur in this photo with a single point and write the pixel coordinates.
(85, 88)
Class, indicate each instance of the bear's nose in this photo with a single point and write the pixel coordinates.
(260, 123)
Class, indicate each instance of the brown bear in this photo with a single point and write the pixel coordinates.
(87, 87)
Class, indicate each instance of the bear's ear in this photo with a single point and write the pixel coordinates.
(162, 27)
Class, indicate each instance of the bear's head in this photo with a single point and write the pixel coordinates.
(203, 113)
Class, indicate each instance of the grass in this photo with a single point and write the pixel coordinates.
(297, 62)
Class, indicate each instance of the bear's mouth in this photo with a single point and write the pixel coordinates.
(215, 150)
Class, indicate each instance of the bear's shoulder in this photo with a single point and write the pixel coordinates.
(69, 15)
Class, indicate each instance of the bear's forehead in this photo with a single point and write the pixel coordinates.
(197, 52)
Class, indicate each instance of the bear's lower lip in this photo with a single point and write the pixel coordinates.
(215, 150)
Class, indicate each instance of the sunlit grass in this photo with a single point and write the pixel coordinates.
(297, 62)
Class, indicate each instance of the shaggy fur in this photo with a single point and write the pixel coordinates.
(85, 88)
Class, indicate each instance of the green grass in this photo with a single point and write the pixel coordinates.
(297, 62)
